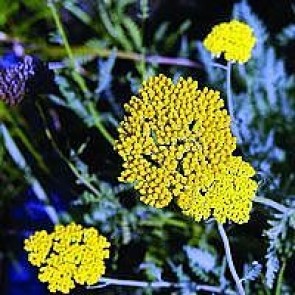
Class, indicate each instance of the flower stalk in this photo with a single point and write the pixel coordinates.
(155, 285)
(280, 278)
(76, 75)
(229, 259)
(270, 203)
(75, 171)
(229, 92)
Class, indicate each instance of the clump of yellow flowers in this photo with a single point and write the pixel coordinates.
(70, 254)
(176, 143)
(235, 39)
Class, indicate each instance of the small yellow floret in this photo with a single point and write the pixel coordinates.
(235, 39)
(69, 255)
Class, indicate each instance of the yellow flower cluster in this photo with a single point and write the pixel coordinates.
(70, 254)
(235, 39)
(176, 143)
(229, 194)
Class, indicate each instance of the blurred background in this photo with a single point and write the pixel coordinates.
(57, 163)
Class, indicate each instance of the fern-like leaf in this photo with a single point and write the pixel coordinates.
(272, 267)
(201, 262)
(134, 32)
(252, 271)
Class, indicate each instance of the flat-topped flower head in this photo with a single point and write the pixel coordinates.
(71, 254)
(234, 39)
(228, 196)
(176, 143)
(171, 131)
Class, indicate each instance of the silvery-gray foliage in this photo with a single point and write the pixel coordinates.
(264, 90)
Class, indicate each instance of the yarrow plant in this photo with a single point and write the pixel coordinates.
(70, 254)
(176, 143)
(235, 39)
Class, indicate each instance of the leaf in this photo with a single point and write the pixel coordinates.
(252, 271)
(154, 272)
(144, 9)
(201, 262)
(272, 267)
(188, 287)
(292, 220)
(179, 272)
(78, 12)
(7, 11)
(122, 38)
(121, 6)
(161, 32)
(106, 21)
(72, 100)
(172, 38)
(286, 35)
(105, 73)
(276, 235)
(133, 32)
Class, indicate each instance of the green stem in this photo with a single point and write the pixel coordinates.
(99, 125)
(59, 52)
(94, 190)
(62, 33)
(280, 278)
(77, 77)
(143, 51)
(82, 179)
(71, 166)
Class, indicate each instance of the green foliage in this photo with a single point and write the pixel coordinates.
(73, 7)
(201, 262)
(252, 271)
(281, 243)
(167, 245)
(7, 10)
(264, 106)
(115, 24)
(11, 179)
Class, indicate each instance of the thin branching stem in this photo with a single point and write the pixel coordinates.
(79, 176)
(143, 284)
(271, 203)
(98, 123)
(78, 78)
(59, 52)
(229, 92)
(72, 51)
(229, 259)
(217, 65)
(143, 5)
